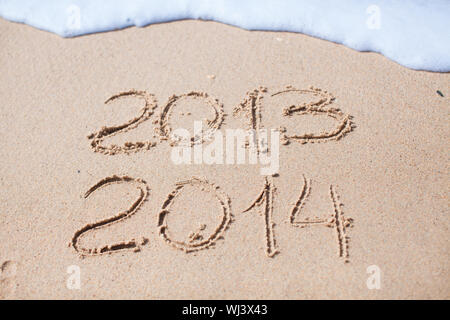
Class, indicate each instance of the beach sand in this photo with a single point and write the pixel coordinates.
(377, 185)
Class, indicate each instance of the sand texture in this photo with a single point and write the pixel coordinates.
(87, 182)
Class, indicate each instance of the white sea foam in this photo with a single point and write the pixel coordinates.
(414, 33)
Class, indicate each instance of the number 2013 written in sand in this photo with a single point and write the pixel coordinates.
(251, 108)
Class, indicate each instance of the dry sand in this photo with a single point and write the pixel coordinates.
(385, 162)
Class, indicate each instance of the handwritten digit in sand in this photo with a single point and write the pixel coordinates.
(127, 245)
(196, 242)
(212, 125)
(341, 223)
(336, 221)
(129, 147)
(266, 198)
(252, 106)
(344, 123)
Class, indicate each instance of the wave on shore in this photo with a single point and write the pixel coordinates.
(413, 33)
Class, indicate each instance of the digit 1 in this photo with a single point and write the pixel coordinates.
(266, 198)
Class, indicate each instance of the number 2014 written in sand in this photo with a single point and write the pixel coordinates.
(250, 107)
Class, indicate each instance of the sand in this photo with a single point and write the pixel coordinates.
(89, 188)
